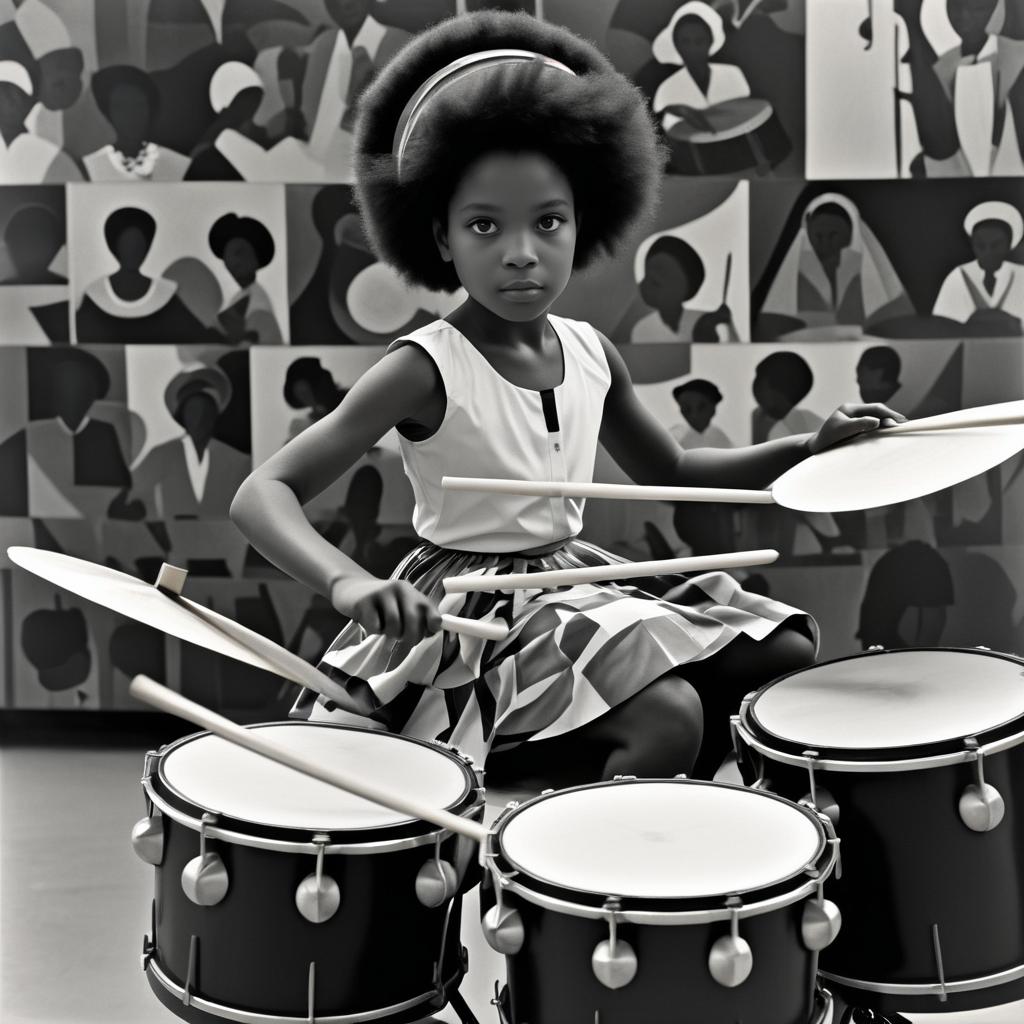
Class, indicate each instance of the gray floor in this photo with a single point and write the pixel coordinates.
(74, 899)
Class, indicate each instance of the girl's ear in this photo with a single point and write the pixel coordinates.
(441, 241)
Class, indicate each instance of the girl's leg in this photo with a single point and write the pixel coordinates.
(656, 733)
(723, 680)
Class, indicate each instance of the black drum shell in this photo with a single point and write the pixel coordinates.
(908, 863)
(255, 948)
(730, 156)
(551, 980)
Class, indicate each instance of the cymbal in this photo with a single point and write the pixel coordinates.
(885, 467)
(165, 609)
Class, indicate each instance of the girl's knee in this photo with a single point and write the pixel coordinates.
(788, 649)
(670, 707)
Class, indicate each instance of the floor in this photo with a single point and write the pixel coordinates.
(74, 899)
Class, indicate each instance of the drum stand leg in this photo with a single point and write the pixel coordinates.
(461, 1008)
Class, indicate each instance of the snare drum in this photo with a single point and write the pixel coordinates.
(659, 901)
(917, 756)
(282, 899)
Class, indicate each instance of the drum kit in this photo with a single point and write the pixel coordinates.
(313, 873)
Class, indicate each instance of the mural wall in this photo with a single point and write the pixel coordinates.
(185, 284)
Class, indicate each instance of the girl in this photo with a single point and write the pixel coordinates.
(503, 174)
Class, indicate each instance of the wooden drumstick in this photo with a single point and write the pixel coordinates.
(151, 692)
(572, 489)
(604, 573)
(472, 627)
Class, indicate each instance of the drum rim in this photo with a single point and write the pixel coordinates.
(914, 752)
(292, 834)
(591, 902)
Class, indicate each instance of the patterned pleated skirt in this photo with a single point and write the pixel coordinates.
(571, 653)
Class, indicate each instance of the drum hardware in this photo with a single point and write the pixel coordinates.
(820, 798)
(731, 959)
(981, 806)
(148, 832)
(318, 896)
(937, 946)
(149, 941)
(437, 880)
(204, 879)
(502, 926)
(614, 962)
(821, 919)
(311, 997)
(193, 953)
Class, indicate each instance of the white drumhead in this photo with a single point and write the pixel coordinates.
(877, 470)
(893, 699)
(224, 777)
(661, 840)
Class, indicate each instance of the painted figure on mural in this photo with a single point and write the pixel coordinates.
(194, 475)
(26, 157)
(129, 306)
(34, 306)
(129, 100)
(835, 276)
(309, 386)
(987, 294)
(673, 274)
(697, 400)
(969, 101)
(245, 246)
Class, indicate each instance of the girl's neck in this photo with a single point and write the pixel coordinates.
(483, 327)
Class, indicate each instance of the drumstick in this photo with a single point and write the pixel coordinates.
(151, 692)
(473, 627)
(728, 274)
(981, 417)
(605, 573)
(571, 489)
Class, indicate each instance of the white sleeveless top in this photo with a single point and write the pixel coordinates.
(493, 428)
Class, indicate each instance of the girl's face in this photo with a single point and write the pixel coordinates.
(511, 233)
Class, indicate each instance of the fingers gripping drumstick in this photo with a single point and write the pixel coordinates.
(150, 692)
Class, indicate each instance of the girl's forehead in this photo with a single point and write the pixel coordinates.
(507, 178)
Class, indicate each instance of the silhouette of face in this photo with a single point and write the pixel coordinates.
(773, 402)
(874, 383)
(198, 413)
(129, 111)
(73, 389)
(32, 240)
(665, 284)
(14, 106)
(511, 233)
(348, 14)
(240, 260)
(969, 18)
(60, 78)
(131, 247)
(697, 409)
(829, 234)
(693, 39)
(990, 241)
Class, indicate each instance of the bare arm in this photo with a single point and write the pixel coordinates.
(268, 507)
(649, 454)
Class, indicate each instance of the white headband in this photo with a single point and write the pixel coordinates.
(456, 71)
(664, 46)
(995, 210)
(229, 80)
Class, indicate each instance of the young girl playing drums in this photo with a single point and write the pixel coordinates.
(504, 173)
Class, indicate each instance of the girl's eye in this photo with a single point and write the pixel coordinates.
(483, 226)
(550, 222)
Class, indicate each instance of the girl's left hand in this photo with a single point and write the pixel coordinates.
(850, 420)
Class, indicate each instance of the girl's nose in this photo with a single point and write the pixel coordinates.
(519, 251)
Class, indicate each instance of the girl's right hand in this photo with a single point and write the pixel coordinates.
(392, 607)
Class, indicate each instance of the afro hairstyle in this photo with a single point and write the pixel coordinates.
(231, 226)
(595, 125)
